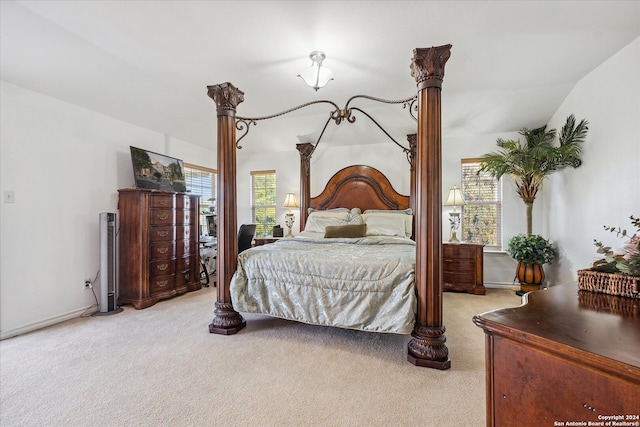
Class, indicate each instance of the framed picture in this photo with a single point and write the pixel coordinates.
(154, 171)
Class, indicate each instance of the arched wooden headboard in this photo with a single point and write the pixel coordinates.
(361, 187)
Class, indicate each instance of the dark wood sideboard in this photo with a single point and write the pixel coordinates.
(463, 267)
(563, 356)
(158, 246)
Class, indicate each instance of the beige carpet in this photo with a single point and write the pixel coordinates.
(161, 367)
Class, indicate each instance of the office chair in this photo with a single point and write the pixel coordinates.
(245, 237)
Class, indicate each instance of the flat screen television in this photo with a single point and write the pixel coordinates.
(154, 171)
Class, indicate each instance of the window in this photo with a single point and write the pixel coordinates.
(263, 201)
(482, 213)
(203, 182)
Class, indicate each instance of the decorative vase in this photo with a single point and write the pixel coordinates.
(530, 276)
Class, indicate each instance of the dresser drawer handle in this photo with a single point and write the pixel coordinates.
(163, 250)
(163, 217)
(162, 283)
(186, 276)
(187, 261)
(162, 202)
(163, 233)
(162, 267)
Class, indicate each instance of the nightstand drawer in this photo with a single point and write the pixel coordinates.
(459, 278)
(458, 264)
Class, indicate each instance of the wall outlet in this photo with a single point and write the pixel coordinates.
(87, 284)
(9, 197)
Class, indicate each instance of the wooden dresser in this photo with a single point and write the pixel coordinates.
(158, 246)
(564, 356)
(463, 267)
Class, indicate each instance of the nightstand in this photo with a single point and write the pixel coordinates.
(259, 241)
(463, 267)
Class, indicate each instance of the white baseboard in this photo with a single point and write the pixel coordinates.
(44, 323)
(502, 285)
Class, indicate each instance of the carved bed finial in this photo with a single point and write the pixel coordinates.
(225, 95)
(306, 149)
(427, 65)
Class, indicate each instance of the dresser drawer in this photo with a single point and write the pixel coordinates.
(162, 201)
(162, 217)
(162, 267)
(162, 250)
(162, 284)
(185, 247)
(185, 263)
(183, 202)
(162, 234)
(183, 232)
(185, 277)
(185, 217)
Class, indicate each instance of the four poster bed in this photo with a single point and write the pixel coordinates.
(407, 288)
(353, 266)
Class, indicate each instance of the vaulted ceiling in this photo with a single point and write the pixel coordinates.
(149, 62)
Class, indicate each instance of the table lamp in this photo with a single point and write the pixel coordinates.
(455, 199)
(290, 201)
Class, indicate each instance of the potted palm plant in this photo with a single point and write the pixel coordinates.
(531, 162)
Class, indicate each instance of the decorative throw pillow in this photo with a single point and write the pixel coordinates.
(348, 231)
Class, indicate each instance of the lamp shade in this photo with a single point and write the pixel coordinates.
(316, 76)
(290, 201)
(455, 197)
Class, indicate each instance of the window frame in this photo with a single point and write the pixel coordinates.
(263, 228)
(206, 206)
(471, 203)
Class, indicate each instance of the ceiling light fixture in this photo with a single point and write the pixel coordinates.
(316, 76)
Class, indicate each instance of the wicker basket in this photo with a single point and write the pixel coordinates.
(609, 283)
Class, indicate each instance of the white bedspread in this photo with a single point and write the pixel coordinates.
(363, 283)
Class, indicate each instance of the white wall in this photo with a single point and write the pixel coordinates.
(605, 190)
(64, 165)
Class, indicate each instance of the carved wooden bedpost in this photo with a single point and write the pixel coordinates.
(305, 149)
(226, 320)
(427, 346)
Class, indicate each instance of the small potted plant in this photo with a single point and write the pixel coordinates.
(619, 272)
(626, 261)
(531, 252)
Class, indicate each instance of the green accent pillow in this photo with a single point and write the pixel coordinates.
(349, 230)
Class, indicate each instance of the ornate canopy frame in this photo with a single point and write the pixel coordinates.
(427, 346)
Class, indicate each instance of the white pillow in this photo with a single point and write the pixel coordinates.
(319, 220)
(378, 225)
(406, 216)
(355, 217)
